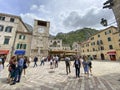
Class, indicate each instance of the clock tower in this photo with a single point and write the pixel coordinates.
(40, 37)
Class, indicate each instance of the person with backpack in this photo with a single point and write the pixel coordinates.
(77, 65)
(90, 66)
(67, 63)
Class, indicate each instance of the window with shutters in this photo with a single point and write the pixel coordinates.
(8, 29)
(6, 40)
(22, 37)
(109, 38)
(2, 18)
(12, 19)
(24, 46)
(18, 46)
(1, 27)
(110, 47)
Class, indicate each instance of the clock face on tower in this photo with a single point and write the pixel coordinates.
(41, 30)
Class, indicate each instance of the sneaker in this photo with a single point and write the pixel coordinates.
(12, 83)
(17, 81)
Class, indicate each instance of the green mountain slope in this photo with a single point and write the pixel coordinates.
(76, 36)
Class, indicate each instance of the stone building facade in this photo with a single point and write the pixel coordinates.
(10, 28)
(76, 47)
(55, 44)
(23, 42)
(104, 45)
(66, 47)
(116, 36)
(40, 43)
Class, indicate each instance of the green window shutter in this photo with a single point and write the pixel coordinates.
(24, 37)
(21, 46)
(19, 36)
(6, 41)
(25, 46)
(18, 46)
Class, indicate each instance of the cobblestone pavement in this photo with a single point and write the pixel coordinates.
(106, 76)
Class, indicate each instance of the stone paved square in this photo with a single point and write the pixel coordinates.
(106, 76)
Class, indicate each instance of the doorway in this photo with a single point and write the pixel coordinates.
(112, 57)
(102, 56)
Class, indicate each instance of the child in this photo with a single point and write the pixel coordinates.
(1, 67)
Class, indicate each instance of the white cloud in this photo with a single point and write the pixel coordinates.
(29, 18)
(68, 15)
(39, 9)
(33, 7)
(91, 18)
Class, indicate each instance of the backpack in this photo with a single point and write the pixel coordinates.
(67, 61)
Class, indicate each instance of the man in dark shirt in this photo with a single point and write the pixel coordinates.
(77, 65)
(35, 61)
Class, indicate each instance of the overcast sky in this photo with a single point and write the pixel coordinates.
(64, 15)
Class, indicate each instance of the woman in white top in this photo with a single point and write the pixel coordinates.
(81, 61)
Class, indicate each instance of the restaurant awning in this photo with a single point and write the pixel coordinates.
(4, 51)
(20, 52)
(111, 52)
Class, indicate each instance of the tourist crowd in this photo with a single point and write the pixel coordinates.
(19, 63)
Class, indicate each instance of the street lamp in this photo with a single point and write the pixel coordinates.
(104, 22)
(108, 4)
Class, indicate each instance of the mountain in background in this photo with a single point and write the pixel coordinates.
(76, 36)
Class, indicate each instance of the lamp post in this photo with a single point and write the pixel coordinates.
(104, 22)
(115, 6)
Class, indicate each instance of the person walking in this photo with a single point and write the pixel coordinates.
(35, 61)
(1, 67)
(85, 65)
(3, 60)
(67, 63)
(19, 69)
(56, 61)
(42, 61)
(25, 64)
(51, 62)
(12, 69)
(90, 67)
(81, 61)
(77, 65)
